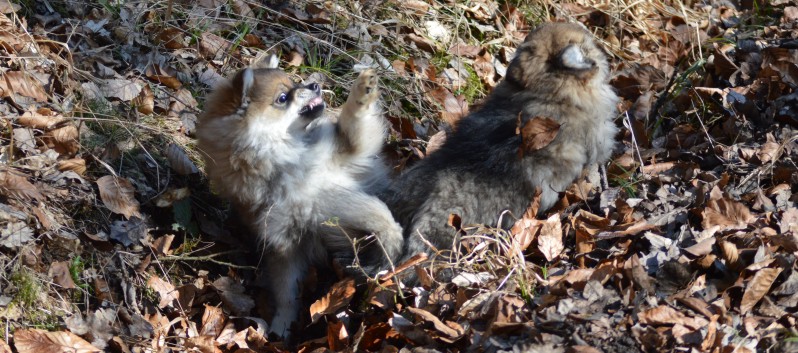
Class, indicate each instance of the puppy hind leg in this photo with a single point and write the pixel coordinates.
(365, 214)
(286, 273)
(361, 127)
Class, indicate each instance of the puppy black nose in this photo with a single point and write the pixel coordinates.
(314, 87)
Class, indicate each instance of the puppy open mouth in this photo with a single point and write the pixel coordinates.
(315, 106)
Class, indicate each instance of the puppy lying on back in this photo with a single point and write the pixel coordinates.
(558, 73)
(302, 181)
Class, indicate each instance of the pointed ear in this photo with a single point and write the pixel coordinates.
(572, 58)
(268, 61)
(243, 82)
(272, 62)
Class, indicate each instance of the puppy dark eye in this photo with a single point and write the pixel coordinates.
(282, 98)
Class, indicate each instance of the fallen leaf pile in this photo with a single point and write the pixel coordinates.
(112, 240)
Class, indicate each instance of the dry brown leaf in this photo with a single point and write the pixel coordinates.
(436, 322)
(435, 142)
(65, 140)
(727, 214)
(758, 287)
(233, 295)
(550, 238)
(213, 321)
(59, 272)
(536, 134)
(39, 341)
(338, 297)
(213, 47)
(22, 83)
(202, 344)
(17, 186)
(117, 194)
(454, 108)
(166, 291)
(163, 76)
(486, 70)
(662, 315)
(172, 38)
(77, 165)
(145, 101)
(179, 161)
(43, 119)
(124, 90)
(337, 337)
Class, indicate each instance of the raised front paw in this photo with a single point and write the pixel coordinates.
(365, 90)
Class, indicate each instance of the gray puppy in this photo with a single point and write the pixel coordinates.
(558, 73)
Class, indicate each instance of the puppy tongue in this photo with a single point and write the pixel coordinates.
(315, 101)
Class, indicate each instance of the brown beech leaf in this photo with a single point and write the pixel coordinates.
(550, 238)
(727, 214)
(233, 295)
(439, 325)
(338, 297)
(145, 101)
(39, 341)
(77, 165)
(662, 315)
(758, 287)
(179, 161)
(166, 291)
(65, 140)
(22, 83)
(212, 321)
(536, 134)
(202, 344)
(454, 108)
(59, 272)
(43, 119)
(121, 89)
(117, 194)
(337, 337)
(17, 186)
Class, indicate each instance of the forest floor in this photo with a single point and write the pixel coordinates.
(111, 238)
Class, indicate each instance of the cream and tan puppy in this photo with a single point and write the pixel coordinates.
(558, 73)
(303, 181)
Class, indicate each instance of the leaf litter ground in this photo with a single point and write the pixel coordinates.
(112, 240)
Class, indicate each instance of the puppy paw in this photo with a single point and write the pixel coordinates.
(366, 90)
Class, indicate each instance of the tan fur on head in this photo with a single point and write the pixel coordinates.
(288, 170)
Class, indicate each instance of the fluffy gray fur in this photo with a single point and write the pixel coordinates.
(558, 72)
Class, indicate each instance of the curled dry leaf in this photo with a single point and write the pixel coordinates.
(758, 287)
(59, 272)
(233, 295)
(179, 161)
(166, 291)
(42, 118)
(453, 108)
(213, 321)
(38, 341)
(124, 90)
(18, 187)
(65, 140)
(77, 165)
(145, 101)
(536, 133)
(727, 214)
(439, 325)
(117, 194)
(22, 83)
(338, 297)
(550, 238)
